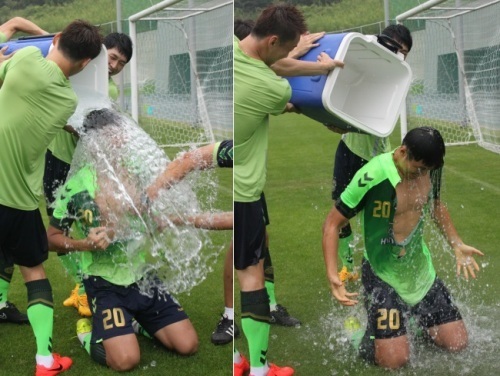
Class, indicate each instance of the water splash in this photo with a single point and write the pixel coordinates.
(126, 161)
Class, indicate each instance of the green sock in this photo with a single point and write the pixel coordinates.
(4, 290)
(345, 252)
(272, 297)
(255, 324)
(41, 314)
(6, 271)
(85, 340)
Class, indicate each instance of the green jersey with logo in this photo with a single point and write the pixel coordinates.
(407, 267)
(36, 100)
(258, 92)
(121, 263)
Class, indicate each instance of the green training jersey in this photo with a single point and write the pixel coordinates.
(36, 100)
(366, 146)
(406, 267)
(3, 37)
(258, 92)
(121, 263)
(113, 91)
(64, 144)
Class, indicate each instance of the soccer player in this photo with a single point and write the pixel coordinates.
(395, 192)
(353, 152)
(8, 311)
(36, 100)
(258, 93)
(112, 271)
(60, 153)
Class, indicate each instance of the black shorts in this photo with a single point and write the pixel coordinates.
(264, 208)
(114, 307)
(388, 314)
(346, 165)
(249, 234)
(23, 239)
(55, 174)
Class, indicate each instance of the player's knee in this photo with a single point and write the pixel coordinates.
(392, 357)
(123, 362)
(188, 346)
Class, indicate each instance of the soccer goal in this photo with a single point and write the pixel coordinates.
(455, 61)
(181, 79)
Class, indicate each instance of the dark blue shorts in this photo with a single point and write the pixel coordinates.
(23, 239)
(388, 314)
(114, 307)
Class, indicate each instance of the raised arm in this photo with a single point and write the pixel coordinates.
(19, 24)
(198, 159)
(289, 67)
(464, 254)
(333, 223)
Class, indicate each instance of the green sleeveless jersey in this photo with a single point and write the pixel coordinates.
(406, 267)
(122, 262)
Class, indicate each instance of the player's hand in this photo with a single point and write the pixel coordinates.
(98, 239)
(306, 42)
(291, 108)
(329, 63)
(466, 263)
(5, 57)
(339, 292)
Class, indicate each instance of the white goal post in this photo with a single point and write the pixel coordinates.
(455, 61)
(181, 83)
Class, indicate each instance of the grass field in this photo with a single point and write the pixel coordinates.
(204, 305)
(298, 192)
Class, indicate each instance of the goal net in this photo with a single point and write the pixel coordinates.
(181, 82)
(455, 61)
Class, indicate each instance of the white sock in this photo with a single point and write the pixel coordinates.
(82, 336)
(259, 371)
(237, 357)
(3, 305)
(272, 307)
(45, 360)
(229, 313)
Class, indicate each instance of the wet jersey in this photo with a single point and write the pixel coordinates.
(122, 261)
(407, 267)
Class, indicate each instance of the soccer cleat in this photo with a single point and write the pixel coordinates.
(83, 306)
(72, 300)
(346, 276)
(225, 331)
(280, 316)
(83, 326)
(274, 370)
(61, 364)
(241, 368)
(10, 313)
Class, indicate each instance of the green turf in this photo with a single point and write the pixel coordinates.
(204, 305)
(298, 193)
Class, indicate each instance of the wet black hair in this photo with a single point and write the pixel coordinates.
(97, 119)
(427, 145)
